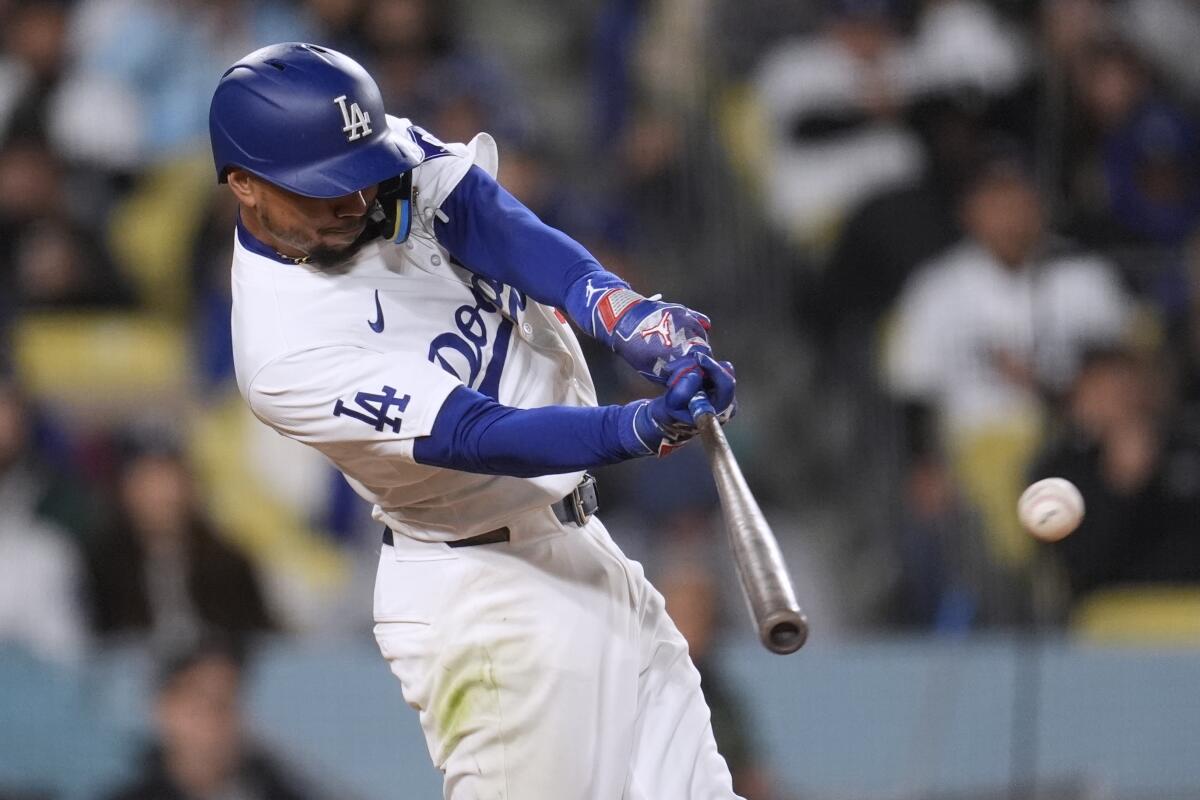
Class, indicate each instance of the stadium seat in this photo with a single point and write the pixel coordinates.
(1140, 615)
(100, 360)
(991, 464)
(153, 229)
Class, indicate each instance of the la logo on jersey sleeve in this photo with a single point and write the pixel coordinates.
(373, 409)
(357, 122)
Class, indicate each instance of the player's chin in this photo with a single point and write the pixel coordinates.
(332, 254)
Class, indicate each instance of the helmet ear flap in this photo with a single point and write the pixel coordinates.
(392, 213)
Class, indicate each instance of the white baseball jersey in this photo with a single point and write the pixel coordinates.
(357, 362)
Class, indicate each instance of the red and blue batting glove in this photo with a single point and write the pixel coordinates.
(665, 423)
(649, 334)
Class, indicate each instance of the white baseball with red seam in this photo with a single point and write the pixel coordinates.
(1050, 509)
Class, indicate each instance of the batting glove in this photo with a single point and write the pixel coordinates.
(649, 334)
(665, 423)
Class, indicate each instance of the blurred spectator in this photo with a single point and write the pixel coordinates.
(649, 63)
(934, 545)
(1067, 27)
(161, 569)
(427, 75)
(202, 750)
(963, 47)
(692, 601)
(967, 75)
(1139, 470)
(1185, 335)
(881, 244)
(338, 24)
(748, 27)
(1168, 32)
(36, 464)
(1007, 311)
(148, 68)
(833, 109)
(40, 568)
(983, 330)
(656, 134)
(1152, 166)
(46, 258)
(837, 104)
(1134, 173)
(671, 55)
(32, 59)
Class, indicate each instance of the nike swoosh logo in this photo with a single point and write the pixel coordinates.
(377, 323)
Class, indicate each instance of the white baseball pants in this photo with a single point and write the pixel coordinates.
(545, 668)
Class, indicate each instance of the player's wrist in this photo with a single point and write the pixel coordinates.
(643, 433)
(636, 430)
(659, 426)
(589, 301)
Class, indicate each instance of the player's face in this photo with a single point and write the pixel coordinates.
(325, 231)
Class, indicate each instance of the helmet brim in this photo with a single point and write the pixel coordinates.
(391, 154)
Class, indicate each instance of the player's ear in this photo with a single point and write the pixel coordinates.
(242, 184)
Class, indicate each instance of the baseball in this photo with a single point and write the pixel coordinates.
(1050, 509)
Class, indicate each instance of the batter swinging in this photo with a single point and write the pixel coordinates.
(395, 308)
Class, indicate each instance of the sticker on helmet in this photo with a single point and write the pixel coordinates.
(357, 122)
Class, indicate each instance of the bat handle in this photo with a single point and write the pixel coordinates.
(700, 405)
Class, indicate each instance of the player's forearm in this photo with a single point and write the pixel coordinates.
(473, 433)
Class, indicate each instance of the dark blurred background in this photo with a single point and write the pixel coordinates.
(952, 246)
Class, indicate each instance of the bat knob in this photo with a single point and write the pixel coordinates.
(699, 405)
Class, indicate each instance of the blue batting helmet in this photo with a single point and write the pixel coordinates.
(305, 118)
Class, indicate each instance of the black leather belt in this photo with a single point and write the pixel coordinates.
(576, 509)
(579, 506)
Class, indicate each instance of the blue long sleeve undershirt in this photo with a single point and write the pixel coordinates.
(495, 235)
(473, 433)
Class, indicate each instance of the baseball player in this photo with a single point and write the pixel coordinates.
(395, 308)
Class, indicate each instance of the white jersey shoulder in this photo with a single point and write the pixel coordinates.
(357, 361)
(444, 165)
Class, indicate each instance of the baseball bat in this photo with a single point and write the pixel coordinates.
(781, 624)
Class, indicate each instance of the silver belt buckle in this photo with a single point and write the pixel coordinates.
(577, 500)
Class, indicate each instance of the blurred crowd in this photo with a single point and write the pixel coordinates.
(999, 207)
(952, 245)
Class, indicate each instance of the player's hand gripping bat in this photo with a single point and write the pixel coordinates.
(782, 626)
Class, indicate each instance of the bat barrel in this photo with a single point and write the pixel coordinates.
(781, 625)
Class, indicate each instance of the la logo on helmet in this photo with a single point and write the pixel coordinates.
(358, 122)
